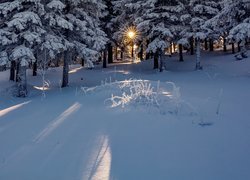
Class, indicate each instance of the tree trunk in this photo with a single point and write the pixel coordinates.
(239, 48)
(122, 54)
(104, 59)
(147, 53)
(17, 71)
(57, 62)
(156, 60)
(35, 68)
(161, 61)
(173, 48)
(211, 45)
(132, 52)
(233, 48)
(224, 44)
(65, 79)
(116, 53)
(141, 52)
(206, 44)
(22, 81)
(110, 53)
(198, 55)
(82, 62)
(246, 40)
(12, 70)
(181, 53)
(192, 46)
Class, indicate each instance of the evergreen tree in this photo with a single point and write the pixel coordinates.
(77, 24)
(201, 11)
(161, 23)
(23, 21)
(122, 22)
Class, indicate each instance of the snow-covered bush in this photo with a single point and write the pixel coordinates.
(162, 98)
(137, 92)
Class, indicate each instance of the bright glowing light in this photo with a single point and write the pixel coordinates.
(131, 34)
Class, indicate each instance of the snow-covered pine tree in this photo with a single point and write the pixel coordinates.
(241, 19)
(160, 22)
(6, 37)
(235, 19)
(22, 19)
(122, 22)
(109, 26)
(74, 26)
(201, 11)
(180, 25)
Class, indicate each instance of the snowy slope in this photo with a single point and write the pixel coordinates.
(70, 134)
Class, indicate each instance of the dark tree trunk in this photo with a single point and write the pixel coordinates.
(141, 52)
(35, 68)
(22, 82)
(82, 62)
(233, 48)
(192, 46)
(156, 60)
(224, 44)
(110, 53)
(57, 62)
(104, 60)
(206, 44)
(247, 41)
(17, 71)
(35, 63)
(12, 70)
(239, 48)
(161, 61)
(147, 53)
(65, 79)
(181, 53)
(121, 54)
(132, 53)
(116, 53)
(211, 45)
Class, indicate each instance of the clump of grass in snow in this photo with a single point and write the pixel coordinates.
(144, 93)
(164, 98)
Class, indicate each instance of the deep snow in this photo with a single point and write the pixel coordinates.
(70, 134)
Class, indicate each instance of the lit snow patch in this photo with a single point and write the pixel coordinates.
(41, 88)
(168, 94)
(75, 70)
(100, 163)
(57, 122)
(10, 109)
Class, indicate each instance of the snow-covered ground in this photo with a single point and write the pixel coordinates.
(197, 131)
